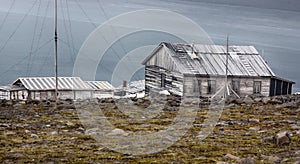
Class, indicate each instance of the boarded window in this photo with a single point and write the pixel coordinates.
(211, 86)
(236, 86)
(257, 87)
(163, 81)
(197, 86)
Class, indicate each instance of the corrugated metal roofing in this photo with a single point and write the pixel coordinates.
(211, 60)
(48, 83)
(100, 85)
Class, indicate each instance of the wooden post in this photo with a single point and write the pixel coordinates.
(124, 83)
(281, 89)
(275, 87)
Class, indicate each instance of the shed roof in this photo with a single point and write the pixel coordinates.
(48, 83)
(100, 85)
(211, 59)
(8, 88)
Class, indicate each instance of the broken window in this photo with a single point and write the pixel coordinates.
(236, 86)
(257, 87)
(197, 86)
(211, 87)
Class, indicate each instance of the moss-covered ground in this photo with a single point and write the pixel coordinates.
(38, 134)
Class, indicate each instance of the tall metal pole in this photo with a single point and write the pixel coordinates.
(226, 74)
(55, 50)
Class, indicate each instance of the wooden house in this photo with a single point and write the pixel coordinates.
(200, 70)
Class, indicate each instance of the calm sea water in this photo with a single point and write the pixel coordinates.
(26, 48)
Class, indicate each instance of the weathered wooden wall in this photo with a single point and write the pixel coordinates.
(246, 85)
(163, 59)
(173, 81)
(4, 95)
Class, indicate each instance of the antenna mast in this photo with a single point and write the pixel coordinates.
(55, 51)
(226, 74)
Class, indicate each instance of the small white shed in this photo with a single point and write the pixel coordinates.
(101, 89)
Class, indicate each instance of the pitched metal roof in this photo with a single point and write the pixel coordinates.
(48, 83)
(211, 60)
(100, 85)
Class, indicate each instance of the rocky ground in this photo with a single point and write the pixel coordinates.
(250, 130)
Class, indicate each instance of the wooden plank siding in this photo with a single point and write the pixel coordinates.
(184, 65)
(153, 80)
(245, 84)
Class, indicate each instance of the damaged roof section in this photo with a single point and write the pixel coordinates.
(100, 85)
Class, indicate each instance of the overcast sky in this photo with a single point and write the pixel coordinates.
(26, 30)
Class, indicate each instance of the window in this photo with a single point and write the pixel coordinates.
(211, 86)
(163, 80)
(236, 86)
(257, 87)
(197, 86)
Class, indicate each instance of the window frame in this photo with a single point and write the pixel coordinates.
(255, 87)
(233, 86)
(211, 89)
(197, 86)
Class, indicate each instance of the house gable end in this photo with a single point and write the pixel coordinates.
(162, 57)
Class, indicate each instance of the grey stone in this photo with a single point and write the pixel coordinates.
(80, 129)
(248, 100)
(268, 139)
(16, 155)
(232, 157)
(254, 128)
(258, 99)
(253, 120)
(230, 106)
(282, 138)
(294, 126)
(27, 131)
(53, 133)
(271, 158)
(117, 132)
(247, 161)
(265, 100)
(34, 136)
(62, 107)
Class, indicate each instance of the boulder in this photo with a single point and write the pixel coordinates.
(62, 107)
(282, 138)
(266, 100)
(231, 157)
(246, 161)
(258, 99)
(117, 132)
(248, 100)
(34, 136)
(274, 159)
(253, 120)
(254, 128)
